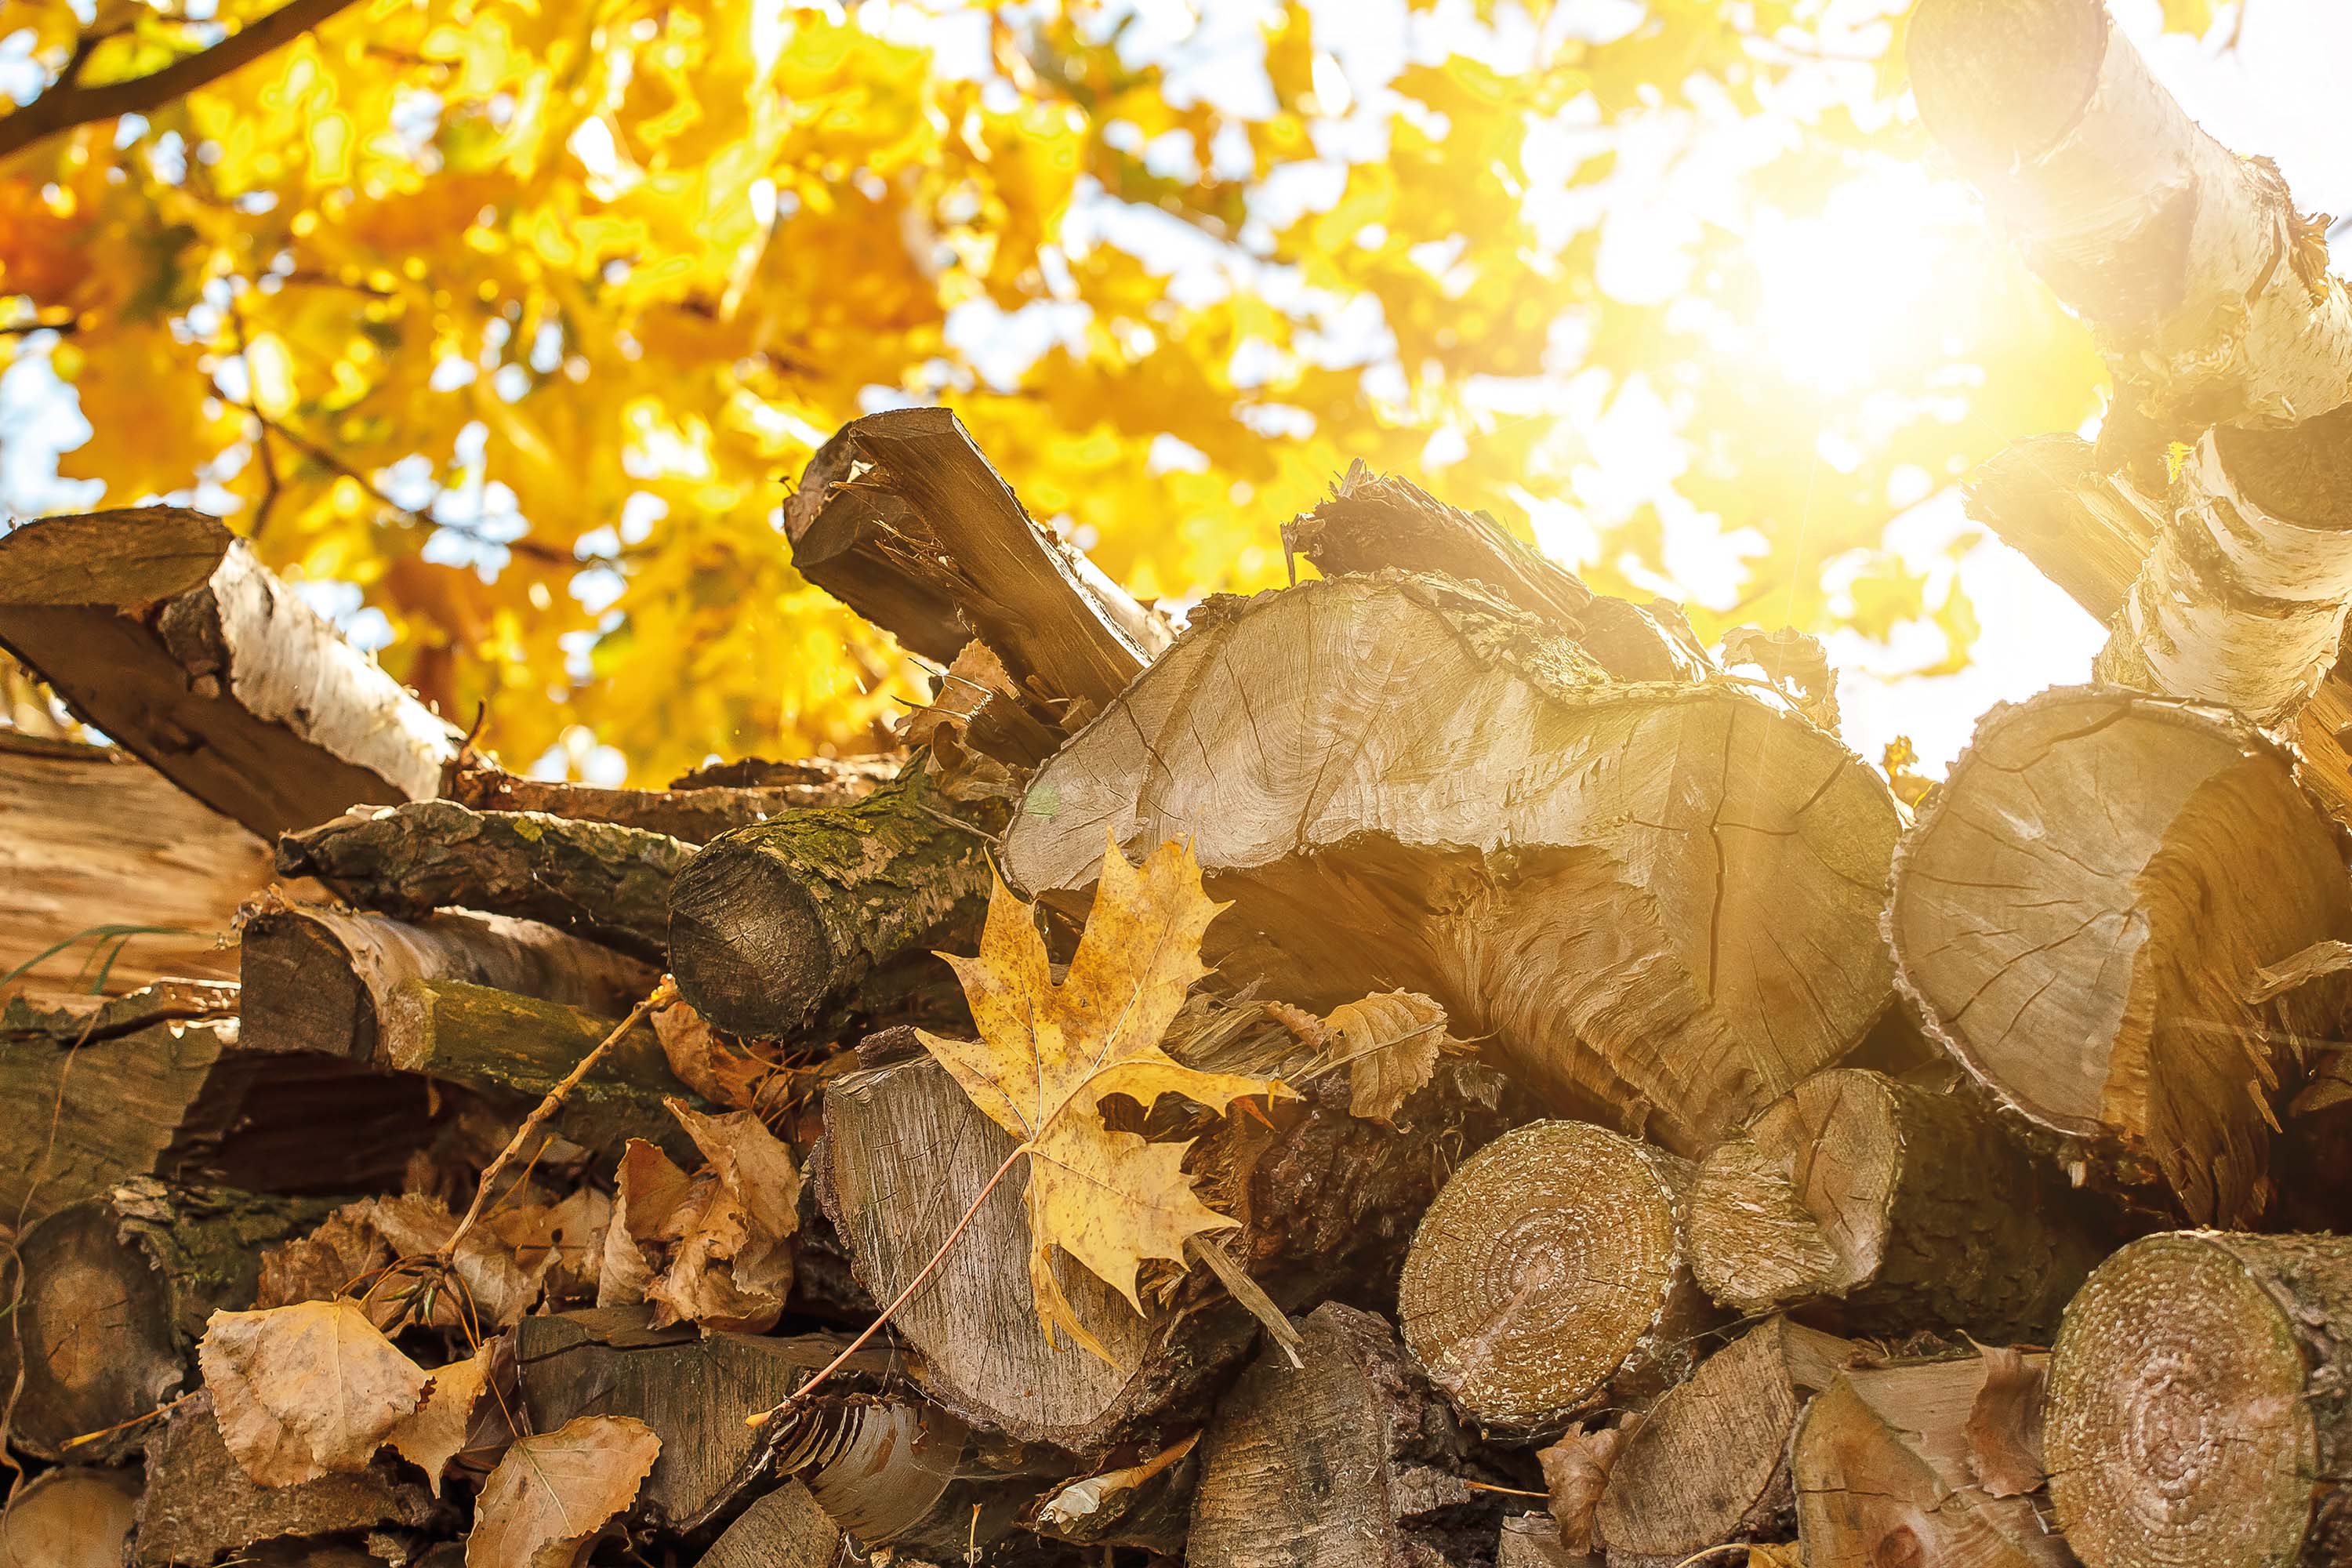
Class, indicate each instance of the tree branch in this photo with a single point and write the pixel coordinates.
(67, 104)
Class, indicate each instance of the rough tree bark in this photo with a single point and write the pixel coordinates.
(1552, 1274)
(2199, 1406)
(1322, 1197)
(1709, 1464)
(1892, 1207)
(1888, 1472)
(607, 883)
(2080, 912)
(901, 517)
(1350, 1462)
(115, 1294)
(1657, 903)
(159, 628)
(783, 1528)
(688, 811)
(769, 926)
(321, 979)
(1374, 523)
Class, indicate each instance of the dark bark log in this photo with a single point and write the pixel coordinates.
(160, 628)
(92, 839)
(1891, 1208)
(692, 815)
(321, 979)
(2199, 1406)
(157, 1083)
(771, 926)
(1323, 1198)
(515, 1049)
(70, 1518)
(1146, 1505)
(199, 1508)
(1886, 1474)
(1663, 914)
(1551, 1275)
(1710, 1462)
(2090, 966)
(902, 519)
(1374, 523)
(783, 1529)
(610, 884)
(1350, 1462)
(115, 1294)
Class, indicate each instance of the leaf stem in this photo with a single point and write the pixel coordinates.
(760, 1418)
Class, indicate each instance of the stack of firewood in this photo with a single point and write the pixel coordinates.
(1685, 1150)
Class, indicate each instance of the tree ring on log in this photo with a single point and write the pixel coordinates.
(747, 973)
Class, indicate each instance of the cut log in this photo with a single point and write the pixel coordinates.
(199, 1507)
(1896, 1207)
(607, 883)
(316, 978)
(92, 842)
(1709, 1464)
(2197, 1404)
(1532, 1540)
(1325, 1198)
(1349, 1462)
(770, 926)
(115, 1292)
(899, 1473)
(783, 1529)
(161, 628)
(692, 815)
(1658, 904)
(515, 1049)
(2209, 292)
(901, 517)
(1551, 1275)
(2089, 966)
(70, 1518)
(1886, 1475)
(1375, 523)
(156, 1083)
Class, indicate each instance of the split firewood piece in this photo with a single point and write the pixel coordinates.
(1891, 1464)
(2209, 292)
(1376, 521)
(692, 815)
(115, 872)
(1895, 1207)
(1323, 1196)
(159, 628)
(160, 1083)
(769, 926)
(1709, 1463)
(2090, 966)
(782, 1529)
(2195, 1405)
(610, 884)
(115, 1292)
(901, 517)
(1663, 914)
(1350, 1462)
(71, 1517)
(200, 1508)
(1552, 1274)
(514, 1049)
(1533, 1541)
(319, 978)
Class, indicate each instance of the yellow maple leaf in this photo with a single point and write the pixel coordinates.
(1049, 1053)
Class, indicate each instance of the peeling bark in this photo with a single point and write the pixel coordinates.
(688, 811)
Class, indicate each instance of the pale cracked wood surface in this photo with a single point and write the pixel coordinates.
(2080, 912)
(1655, 901)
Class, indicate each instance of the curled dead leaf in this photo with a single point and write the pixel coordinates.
(1390, 1042)
(719, 1072)
(714, 1247)
(305, 1391)
(553, 1494)
(431, 1436)
(2004, 1426)
(1576, 1472)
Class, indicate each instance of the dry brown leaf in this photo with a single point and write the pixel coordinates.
(430, 1438)
(1576, 1472)
(545, 1504)
(974, 679)
(649, 1189)
(499, 1289)
(342, 1253)
(706, 1064)
(715, 1247)
(561, 1243)
(305, 1391)
(1048, 1055)
(1776, 1554)
(1390, 1042)
(2004, 1426)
